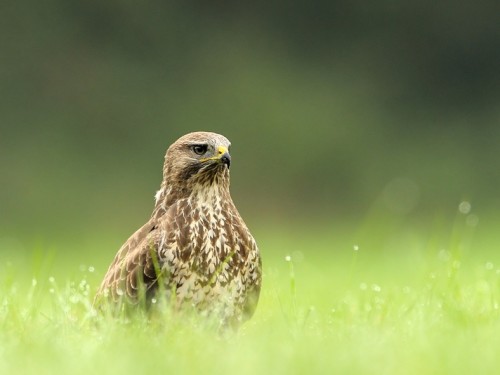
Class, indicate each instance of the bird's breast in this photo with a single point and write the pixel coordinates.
(209, 254)
(209, 238)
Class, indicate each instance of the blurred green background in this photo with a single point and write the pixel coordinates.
(338, 111)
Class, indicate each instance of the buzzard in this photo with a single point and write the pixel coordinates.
(195, 249)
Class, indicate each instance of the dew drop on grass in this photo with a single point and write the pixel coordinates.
(52, 280)
(355, 247)
(51, 290)
(288, 258)
(153, 300)
(464, 207)
(91, 269)
(376, 288)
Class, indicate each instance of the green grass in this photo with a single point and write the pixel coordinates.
(375, 300)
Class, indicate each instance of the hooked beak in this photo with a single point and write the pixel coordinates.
(223, 155)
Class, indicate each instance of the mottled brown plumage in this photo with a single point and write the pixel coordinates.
(195, 244)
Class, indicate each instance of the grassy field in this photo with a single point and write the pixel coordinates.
(383, 298)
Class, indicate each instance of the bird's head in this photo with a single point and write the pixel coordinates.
(200, 158)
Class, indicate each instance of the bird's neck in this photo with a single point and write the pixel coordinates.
(213, 193)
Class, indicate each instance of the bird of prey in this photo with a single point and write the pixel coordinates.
(195, 248)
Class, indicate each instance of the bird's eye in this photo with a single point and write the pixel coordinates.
(199, 149)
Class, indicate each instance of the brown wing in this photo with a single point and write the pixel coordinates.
(254, 274)
(134, 268)
(252, 263)
(253, 293)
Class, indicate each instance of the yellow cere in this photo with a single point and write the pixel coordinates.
(221, 150)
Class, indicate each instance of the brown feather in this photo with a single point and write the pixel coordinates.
(195, 243)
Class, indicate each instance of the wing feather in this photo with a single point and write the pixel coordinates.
(133, 267)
